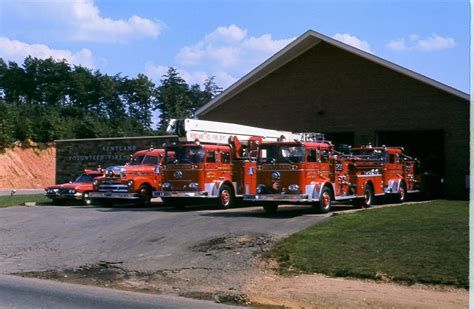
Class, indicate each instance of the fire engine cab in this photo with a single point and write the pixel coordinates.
(308, 171)
(134, 181)
(213, 160)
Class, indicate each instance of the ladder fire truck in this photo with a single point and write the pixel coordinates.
(212, 160)
(134, 181)
(309, 171)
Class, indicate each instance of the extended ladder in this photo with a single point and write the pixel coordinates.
(190, 130)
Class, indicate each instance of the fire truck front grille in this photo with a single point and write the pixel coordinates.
(113, 188)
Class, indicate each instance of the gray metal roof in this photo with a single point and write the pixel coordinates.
(300, 45)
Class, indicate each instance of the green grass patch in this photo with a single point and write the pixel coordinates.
(16, 200)
(417, 243)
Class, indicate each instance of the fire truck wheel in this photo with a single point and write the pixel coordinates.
(226, 197)
(325, 201)
(86, 200)
(145, 195)
(402, 193)
(270, 208)
(368, 199)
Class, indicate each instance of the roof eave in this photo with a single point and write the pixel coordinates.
(301, 44)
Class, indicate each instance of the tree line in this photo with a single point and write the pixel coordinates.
(46, 99)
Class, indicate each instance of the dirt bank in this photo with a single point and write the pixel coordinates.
(319, 291)
(27, 168)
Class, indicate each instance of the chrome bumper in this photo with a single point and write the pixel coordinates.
(180, 194)
(278, 197)
(114, 195)
(69, 196)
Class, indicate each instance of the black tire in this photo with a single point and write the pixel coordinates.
(402, 193)
(369, 197)
(270, 208)
(145, 193)
(226, 197)
(325, 201)
(86, 200)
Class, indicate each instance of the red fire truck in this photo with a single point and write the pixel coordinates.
(400, 172)
(134, 181)
(213, 160)
(309, 171)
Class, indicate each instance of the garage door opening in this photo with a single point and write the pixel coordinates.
(341, 140)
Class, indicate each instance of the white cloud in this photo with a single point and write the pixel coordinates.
(266, 44)
(17, 51)
(353, 41)
(435, 42)
(156, 72)
(224, 79)
(225, 53)
(81, 20)
(226, 34)
(398, 44)
(414, 42)
(229, 48)
(196, 77)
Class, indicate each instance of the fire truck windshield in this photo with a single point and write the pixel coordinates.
(87, 177)
(281, 154)
(150, 160)
(192, 155)
(136, 160)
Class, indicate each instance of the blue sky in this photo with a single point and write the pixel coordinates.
(228, 38)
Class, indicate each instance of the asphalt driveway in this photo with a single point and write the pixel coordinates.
(175, 251)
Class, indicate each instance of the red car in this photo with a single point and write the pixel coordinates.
(77, 190)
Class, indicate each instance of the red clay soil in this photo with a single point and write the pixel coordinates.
(28, 168)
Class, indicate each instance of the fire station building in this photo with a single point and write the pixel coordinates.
(318, 84)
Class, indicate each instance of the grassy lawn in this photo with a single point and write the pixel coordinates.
(15, 200)
(420, 243)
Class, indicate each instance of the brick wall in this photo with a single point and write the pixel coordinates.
(73, 156)
(327, 89)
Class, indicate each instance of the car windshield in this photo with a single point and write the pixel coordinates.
(281, 154)
(87, 177)
(150, 160)
(136, 160)
(184, 155)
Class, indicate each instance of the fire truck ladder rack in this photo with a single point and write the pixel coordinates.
(312, 137)
(368, 157)
(190, 130)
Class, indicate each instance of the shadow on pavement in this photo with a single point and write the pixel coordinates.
(284, 212)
